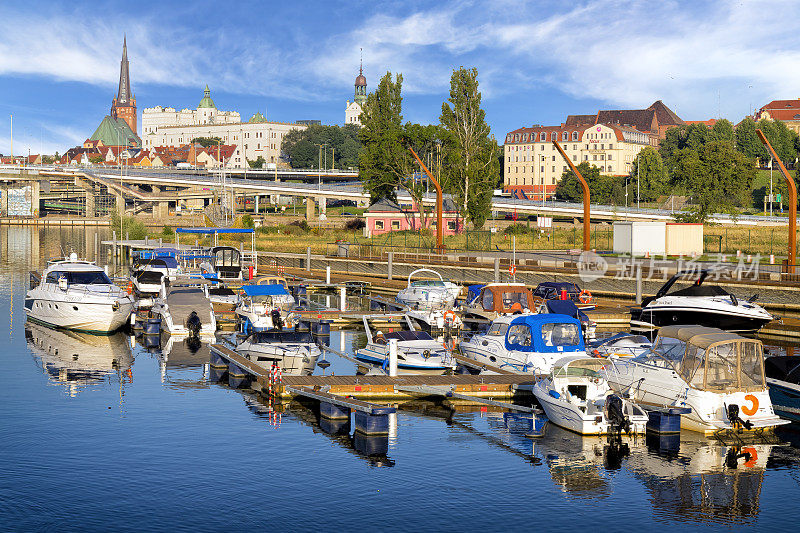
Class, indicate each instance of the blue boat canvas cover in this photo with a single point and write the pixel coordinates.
(540, 327)
(264, 290)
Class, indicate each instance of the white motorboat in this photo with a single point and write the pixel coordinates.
(717, 374)
(494, 299)
(416, 350)
(576, 397)
(264, 307)
(294, 351)
(526, 343)
(184, 308)
(78, 295)
(621, 345)
(429, 294)
(700, 304)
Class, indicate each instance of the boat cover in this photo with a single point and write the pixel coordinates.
(264, 290)
(566, 307)
(183, 300)
(538, 323)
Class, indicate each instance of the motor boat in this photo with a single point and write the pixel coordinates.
(783, 378)
(621, 345)
(417, 351)
(526, 343)
(184, 307)
(295, 351)
(263, 307)
(576, 397)
(701, 304)
(146, 275)
(568, 307)
(429, 294)
(223, 298)
(564, 290)
(77, 295)
(717, 374)
(495, 299)
(224, 262)
(436, 320)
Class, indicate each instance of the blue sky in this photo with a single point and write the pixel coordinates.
(538, 61)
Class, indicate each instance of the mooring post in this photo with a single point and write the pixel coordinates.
(328, 275)
(392, 357)
(342, 298)
(308, 259)
(497, 270)
(390, 255)
(638, 284)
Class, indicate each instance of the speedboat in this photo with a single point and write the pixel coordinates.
(294, 351)
(429, 294)
(564, 290)
(705, 305)
(717, 374)
(78, 295)
(527, 343)
(576, 397)
(263, 307)
(146, 275)
(495, 299)
(224, 262)
(184, 307)
(783, 378)
(417, 351)
(621, 345)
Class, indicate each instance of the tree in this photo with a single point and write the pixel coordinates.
(648, 169)
(206, 141)
(722, 130)
(603, 189)
(747, 141)
(718, 177)
(258, 163)
(470, 151)
(784, 141)
(301, 148)
(95, 159)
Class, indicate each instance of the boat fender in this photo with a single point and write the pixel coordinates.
(554, 394)
(385, 365)
(130, 287)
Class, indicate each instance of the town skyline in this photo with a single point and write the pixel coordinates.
(60, 87)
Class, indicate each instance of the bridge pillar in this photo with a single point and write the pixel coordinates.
(322, 201)
(161, 210)
(36, 187)
(4, 200)
(90, 204)
(310, 209)
(255, 203)
(119, 200)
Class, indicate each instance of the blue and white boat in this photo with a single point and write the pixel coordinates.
(264, 307)
(783, 378)
(526, 343)
(417, 351)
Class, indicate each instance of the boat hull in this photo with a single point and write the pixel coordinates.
(669, 316)
(785, 399)
(88, 317)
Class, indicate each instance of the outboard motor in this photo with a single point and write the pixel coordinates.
(193, 324)
(736, 422)
(617, 423)
(277, 321)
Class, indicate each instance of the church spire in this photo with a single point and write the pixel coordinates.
(124, 93)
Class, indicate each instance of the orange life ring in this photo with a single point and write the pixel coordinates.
(130, 287)
(750, 411)
(451, 314)
(753, 456)
(585, 296)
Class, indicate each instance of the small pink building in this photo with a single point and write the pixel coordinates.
(385, 215)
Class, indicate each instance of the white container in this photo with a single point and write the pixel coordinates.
(640, 238)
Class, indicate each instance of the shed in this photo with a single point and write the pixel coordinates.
(640, 238)
(684, 239)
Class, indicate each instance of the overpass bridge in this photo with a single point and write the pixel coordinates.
(157, 188)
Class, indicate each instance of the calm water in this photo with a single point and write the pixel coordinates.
(129, 438)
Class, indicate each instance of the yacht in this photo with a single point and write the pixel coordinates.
(146, 276)
(263, 307)
(78, 295)
(429, 294)
(417, 351)
(575, 397)
(295, 351)
(621, 345)
(706, 305)
(526, 343)
(184, 307)
(717, 374)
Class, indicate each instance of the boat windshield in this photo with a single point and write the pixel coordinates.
(580, 368)
(724, 366)
(497, 329)
(78, 277)
(561, 334)
(262, 299)
(666, 352)
(427, 283)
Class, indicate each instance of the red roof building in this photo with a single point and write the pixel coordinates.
(787, 111)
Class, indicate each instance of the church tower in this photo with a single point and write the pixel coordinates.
(124, 105)
(352, 112)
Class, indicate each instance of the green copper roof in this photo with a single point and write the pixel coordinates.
(115, 132)
(207, 101)
(258, 117)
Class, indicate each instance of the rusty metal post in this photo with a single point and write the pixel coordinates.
(792, 201)
(587, 223)
(439, 229)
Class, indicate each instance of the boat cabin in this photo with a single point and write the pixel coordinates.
(271, 279)
(273, 295)
(709, 358)
(504, 298)
(227, 261)
(546, 333)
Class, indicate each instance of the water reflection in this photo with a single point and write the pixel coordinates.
(176, 355)
(77, 360)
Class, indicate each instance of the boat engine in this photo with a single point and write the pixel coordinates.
(277, 321)
(193, 324)
(735, 420)
(617, 423)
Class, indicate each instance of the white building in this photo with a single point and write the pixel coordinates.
(254, 138)
(352, 111)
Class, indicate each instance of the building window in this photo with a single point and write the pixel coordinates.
(379, 224)
(610, 146)
(574, 135)
(586, 158)
(554, 168)
(554, 158)
(565, 136)
(543, 136)
(451, 225)
(395, 224)
(574, 157)
(609, 157)
(542, 170)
